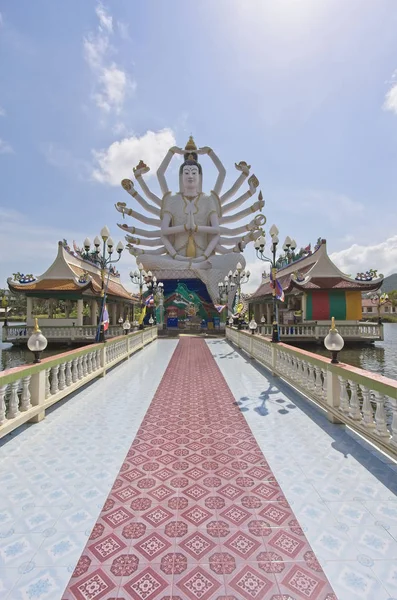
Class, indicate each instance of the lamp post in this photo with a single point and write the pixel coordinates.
(288, 247)
(334, 342)
(232, 284)
(141, 278)
(103, 260)
(37, 342)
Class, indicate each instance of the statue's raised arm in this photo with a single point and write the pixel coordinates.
(164, 166)
(245, 171)
(140, 170)
(219, 166)
(124, 210)
(253, 184)
(129, 187)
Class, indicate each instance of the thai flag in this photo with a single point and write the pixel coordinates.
(279, 290)
(105, 319)
(219, 307)
(149, 300)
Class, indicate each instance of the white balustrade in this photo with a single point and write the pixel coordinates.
(358, 398)
(24, 397)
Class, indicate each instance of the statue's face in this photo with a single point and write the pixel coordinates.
(190, 178)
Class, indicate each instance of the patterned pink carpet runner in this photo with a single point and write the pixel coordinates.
(195, 512)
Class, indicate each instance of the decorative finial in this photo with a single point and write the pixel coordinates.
(333, 328)
(190, 144)
(36, 326)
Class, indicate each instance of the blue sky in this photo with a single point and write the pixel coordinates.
(301, 90)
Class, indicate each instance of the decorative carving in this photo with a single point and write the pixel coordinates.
(367, 276)
(21, 278)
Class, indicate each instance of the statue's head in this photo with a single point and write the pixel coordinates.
(190, 176)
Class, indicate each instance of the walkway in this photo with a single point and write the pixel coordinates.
(195, 510)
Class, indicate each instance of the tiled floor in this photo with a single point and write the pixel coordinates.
(195, 511)
(56, 476)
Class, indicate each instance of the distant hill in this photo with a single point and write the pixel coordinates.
(389, 283)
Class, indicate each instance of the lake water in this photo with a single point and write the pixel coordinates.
(13, 356)
(379, 358)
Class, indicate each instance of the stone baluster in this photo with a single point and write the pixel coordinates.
(54, 379)
(318, 384)
(69, 373)
(61, 380)
(368, 413)
(354, 412)
(324, 388)
(380, 415)
(13, 404)
(298, 370)
(75, 370)
(89, 362)
(25, 397)
(47, 386)
(344, 396)
(98, 359)
(85, 367)
(3, 389)
(393, 404)
(80, 366)
(311, 382)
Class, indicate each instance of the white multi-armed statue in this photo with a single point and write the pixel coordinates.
(189, 236)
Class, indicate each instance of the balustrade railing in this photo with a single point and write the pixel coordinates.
(364, 401)
(27, 391)
(13, 333)
(356, 331)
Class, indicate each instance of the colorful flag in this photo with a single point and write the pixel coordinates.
(149, 300)
(279, 290)
(142, 315)
(105, 319)
(220, 307)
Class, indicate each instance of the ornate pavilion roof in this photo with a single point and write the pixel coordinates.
(315, 271)
(70, 273)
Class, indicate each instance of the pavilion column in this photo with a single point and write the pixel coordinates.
(29, 308)
(67, 309)
(268, 313)
(303, 307)
(94, 311)
(114, 314)
(80, 308)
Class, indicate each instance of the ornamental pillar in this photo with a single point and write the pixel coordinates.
(80, 308)
(93, 311)
(113, 320)
(303, 307)
(29, 307)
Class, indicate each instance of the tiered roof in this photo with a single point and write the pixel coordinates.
(315, 271)
(70, 273)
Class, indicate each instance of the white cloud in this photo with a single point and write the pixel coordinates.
(358, 259)
(2, 112)
(5, 148)
(112, 83)
(391, 99)
(116, 162)
(105, 20)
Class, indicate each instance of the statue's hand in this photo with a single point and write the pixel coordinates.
(243, 167)
(253, 183)
(258, 205)
(141, 169)
(127, 185)
(176, 150)
(204, 150)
